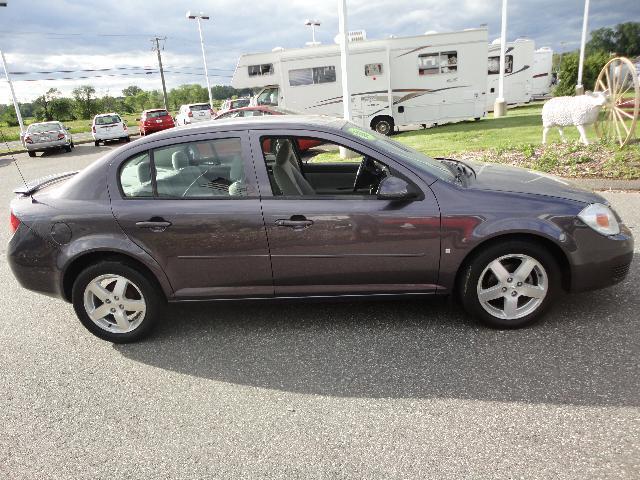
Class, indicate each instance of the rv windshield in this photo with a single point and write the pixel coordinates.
(397, 149)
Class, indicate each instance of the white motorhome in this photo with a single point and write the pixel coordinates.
(542, 72)
(518, 72)
(426, 79)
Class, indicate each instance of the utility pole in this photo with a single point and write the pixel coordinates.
(164, 86)
(500, 105)
(344, 58)
(583, 41)
(13, 94)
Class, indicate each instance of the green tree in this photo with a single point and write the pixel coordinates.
(131, 91)
(8, 116)
(622, 40)
(85, 104)
(45, 105)
(568, 76)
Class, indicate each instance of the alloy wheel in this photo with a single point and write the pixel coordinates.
(512, 286)
(114, 303)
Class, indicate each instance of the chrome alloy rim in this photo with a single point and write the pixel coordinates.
(383, 128)
(512, 286)
(114, 303)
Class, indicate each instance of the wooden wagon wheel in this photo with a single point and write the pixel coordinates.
(618, 117)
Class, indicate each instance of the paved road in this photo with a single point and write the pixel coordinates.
(338, 390)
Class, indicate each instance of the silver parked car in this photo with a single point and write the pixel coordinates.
(41, 137)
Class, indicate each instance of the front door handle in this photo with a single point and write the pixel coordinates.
(154, 225)
(297, 222)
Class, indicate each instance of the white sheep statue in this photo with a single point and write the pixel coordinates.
(580, 111)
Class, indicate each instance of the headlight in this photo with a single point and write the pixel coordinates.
(600, 218)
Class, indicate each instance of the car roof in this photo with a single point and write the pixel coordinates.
(155, 110)
(43, 123)
(297, 122)
(106, 114)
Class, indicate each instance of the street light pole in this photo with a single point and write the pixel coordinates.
(313, 24)
(344, 58)
(13, 94)
(500, 106)
(583, 41)
(201, 16)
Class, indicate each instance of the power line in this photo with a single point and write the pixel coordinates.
(47, 72)
(84, 77)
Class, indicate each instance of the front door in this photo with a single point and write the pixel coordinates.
(193, 206)
(329, 236)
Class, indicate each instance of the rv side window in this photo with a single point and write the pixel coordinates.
(373, 69)
(259, 70)
(434, 63)
(494, 64)
(311, 76)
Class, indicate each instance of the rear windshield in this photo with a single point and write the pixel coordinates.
(44, 127)
(108, 120)
(197, 108)
(157, 113)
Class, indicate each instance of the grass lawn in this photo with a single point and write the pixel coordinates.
(516, 140)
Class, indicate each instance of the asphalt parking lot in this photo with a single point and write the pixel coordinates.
(393, 389)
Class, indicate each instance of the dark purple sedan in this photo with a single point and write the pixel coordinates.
(235, 210)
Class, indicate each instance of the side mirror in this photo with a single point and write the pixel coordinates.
(395, 188)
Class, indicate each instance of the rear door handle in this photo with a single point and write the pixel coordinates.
(154, 226)
(294, 224)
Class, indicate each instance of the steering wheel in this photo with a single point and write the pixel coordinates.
(368, 175)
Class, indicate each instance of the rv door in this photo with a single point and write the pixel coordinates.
(268, 96)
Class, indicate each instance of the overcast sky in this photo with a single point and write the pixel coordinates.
(46, 35)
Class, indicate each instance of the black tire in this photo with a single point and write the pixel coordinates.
(384, 126)
(149, 289)
(127, 139)
(475, 267)
(67, 148)
(96, 143)
(32, 154)
(72, 145)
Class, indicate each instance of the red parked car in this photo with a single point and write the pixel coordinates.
(262, 110)
(154, 121)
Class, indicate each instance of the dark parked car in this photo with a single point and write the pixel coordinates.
(208, 213)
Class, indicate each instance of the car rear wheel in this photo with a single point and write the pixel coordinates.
(384, 126)
(511, 284)
(96, 143)
(67, 148)
(116, 302)
(32, 154)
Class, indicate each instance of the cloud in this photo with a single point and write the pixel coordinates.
(78, 34)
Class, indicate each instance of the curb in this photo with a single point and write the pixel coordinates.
(602, 184)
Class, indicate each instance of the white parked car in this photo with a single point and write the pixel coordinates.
(109, 126)
(232, 104)
(194, 112)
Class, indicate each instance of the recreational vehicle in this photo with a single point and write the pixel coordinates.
(542, 72)
(425, 79)
(518, 70)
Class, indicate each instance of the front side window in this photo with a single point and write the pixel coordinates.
(203, 169)
(135, 177)
(260, 70)
(311, 167)
(494, 64)
(269, 96)
(312, 76)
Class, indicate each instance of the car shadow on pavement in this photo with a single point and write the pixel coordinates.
(585, 351)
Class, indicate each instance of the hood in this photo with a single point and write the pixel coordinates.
(504, 178)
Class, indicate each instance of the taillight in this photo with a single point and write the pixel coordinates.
(125, 127)
(61, 136)
(28, 140)
(13, 222)
(211, 112)
(190, 113)
(93, 129)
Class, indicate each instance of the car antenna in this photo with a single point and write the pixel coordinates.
(13, 157)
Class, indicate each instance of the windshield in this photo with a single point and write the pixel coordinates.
(396, 149)
(239, 103)
(108, 120)
(157, 113)
(44, 127)
(200, 106)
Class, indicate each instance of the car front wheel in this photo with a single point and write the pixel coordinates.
(32, 154)
(116, 302)
(510, 284)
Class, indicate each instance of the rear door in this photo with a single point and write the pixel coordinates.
(192, 204)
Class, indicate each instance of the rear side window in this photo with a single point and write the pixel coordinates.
(203, 169)
(135, 177)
